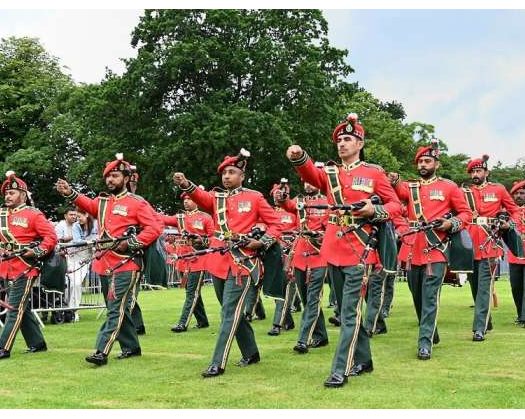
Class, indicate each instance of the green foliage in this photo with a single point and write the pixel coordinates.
(461, 374)
(31, 84)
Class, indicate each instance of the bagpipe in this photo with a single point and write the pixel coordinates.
(236, 242)
(457, 247)
(342, 207)
(498, 235)
(381, 237)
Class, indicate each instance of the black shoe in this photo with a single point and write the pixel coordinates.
(336, 380)
(317, 343)
(478, 336)
(301, 348)
(489, 326)
(381, 331)
(335, 321)
(141, 330)
(435, 339)
(212, 371)
(274, 331)
(359, 369)
(244, 362)
(289, 326)
(179, 328)
(423, 353)
(97, 358)
(38, 348)
(4, 353)
(127, 353)
(202, 325)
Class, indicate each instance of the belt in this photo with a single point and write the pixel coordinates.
(483, 221)
(13, 246)
(228, 235)
(344, 220)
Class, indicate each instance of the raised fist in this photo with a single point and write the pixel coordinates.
(294, 152)
(180, 180)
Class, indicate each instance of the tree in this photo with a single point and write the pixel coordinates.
(31, 83)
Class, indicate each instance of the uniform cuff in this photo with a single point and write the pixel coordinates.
(456, 224)
(39, 252)
(190, 188)
(380, 214)
(267, 241)
(72, 196)
(133, 243)
(301, 160)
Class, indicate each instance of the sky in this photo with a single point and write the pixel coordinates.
(462, 71)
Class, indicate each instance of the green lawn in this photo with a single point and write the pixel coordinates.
(461, 373)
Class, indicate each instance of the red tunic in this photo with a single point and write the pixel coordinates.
(305, 254)
(244, 208)
(123, 210)
(438, 197)
(195, 222)
(520, 226)
(358, 181)
(25, 225)
(489, 199)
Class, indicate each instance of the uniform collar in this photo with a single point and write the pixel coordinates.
(18, 209)
(121, 195)
(192, 212)
(428, 181)
(481, 186)
(351, 166)
(235, 191)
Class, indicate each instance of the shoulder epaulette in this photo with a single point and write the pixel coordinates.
(34, 209)
(332, 163)
(447, 180)
(375, 166)
(138, 197)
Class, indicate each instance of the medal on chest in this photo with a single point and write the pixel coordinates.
(198, 224)
(120, 210)
(363, 184)
(20, 222)
(436, 195)
(490, 197)
(244, 206)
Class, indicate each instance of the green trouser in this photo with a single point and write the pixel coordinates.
(337, 312)
(374, 320)
(354, 345)
(193, 304)
(425, 286)
(485, 286)
(283, 313)
(254, 305)
(517, 285)
(119, 323)
(331, 296)
(390, 282)
(312, 321)
(21, 317)
(232, 297)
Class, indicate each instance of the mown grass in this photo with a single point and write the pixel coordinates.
(461, 373)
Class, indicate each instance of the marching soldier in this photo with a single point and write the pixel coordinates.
(119, 264)
(195, 228)
(283, 315)
(308, 265)
(25, 237)
(428, 200)
(517, 265)
(235, 211)
(348, 237)
(486, 200)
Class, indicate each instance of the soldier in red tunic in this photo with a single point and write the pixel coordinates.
(517, 265)
(487, 200)
(429, 199)
(282, 318)
(195, 229)
(25, 237)
(119, 265)
(344, 244)
(235, 211)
